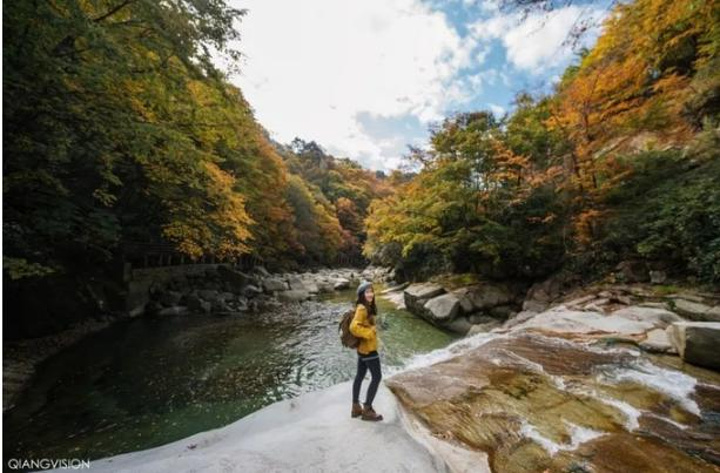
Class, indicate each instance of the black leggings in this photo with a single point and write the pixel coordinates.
(370, 361)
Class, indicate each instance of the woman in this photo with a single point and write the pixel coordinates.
(363, 327)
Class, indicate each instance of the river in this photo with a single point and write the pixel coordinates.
(146, 382)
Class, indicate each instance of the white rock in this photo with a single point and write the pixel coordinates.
(311, 433)
(657, 341)
(660, 318)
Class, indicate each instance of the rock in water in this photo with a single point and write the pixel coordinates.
(697, 342)
(417, 294)
(443, 308)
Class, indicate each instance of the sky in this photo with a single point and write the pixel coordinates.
(367, 78)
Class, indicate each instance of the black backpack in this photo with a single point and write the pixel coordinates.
(346, 337)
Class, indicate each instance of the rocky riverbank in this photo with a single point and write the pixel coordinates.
(582, 380)
(573, 387)
(651, 317)
(216, 290)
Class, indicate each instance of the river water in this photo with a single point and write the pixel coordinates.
(147, 382)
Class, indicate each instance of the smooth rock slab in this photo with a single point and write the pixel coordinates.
(697, 342)
(696, 311)
(312, 433)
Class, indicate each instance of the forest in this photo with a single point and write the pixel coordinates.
(620, 163)
(121, 132)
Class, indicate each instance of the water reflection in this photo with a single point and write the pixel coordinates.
(146, 382)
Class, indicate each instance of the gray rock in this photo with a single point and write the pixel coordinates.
(209, 295)
(443, 309)
(274, 285)
(340, 283)
(502, 312)
(657, 341)
(176, 310)
(417, 294)
(536, 306)
(396, 288)
(311, 287)
(262, 271)
(697, 342)
(486, 296)
(195, 304)
(479, 318)
(296, 284)
(325, 286)
(483, 328)
(460, 325)
(251, 291)
(293, 296)
(170, 298)
(234, 277)
(660, 318)
(696, 310)
(219, 305)
(658, 277)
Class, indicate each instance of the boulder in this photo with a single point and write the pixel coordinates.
(442, 309)
(293, 296)
(503, 312)
(483, 328)
(195, 304)
(170, 298)
(251, 291)
(340, 283)
(417, 294)
(697, 342)
(658, 277)
(540, 294)
(274, 285)
(234, 278)
(657, 341)
(696, 310)
(311, 286)
(209, 295)
(487, 296)
(176, 310)
(480, 318)
(460, 325)
(324, 286)
(262, 271)
(296, 284)
(219, 306)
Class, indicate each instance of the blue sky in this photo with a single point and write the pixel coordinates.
(365, 79)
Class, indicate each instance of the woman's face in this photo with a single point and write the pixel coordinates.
(369, 294)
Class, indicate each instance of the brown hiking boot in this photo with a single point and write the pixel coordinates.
(356, 410)
(369, 413)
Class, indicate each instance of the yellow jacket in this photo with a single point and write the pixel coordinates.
(366, 331)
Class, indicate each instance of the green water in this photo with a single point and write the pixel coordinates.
(147, 382)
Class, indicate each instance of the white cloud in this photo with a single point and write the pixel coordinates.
(536, 43)
(497, 110)
(311, 67)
